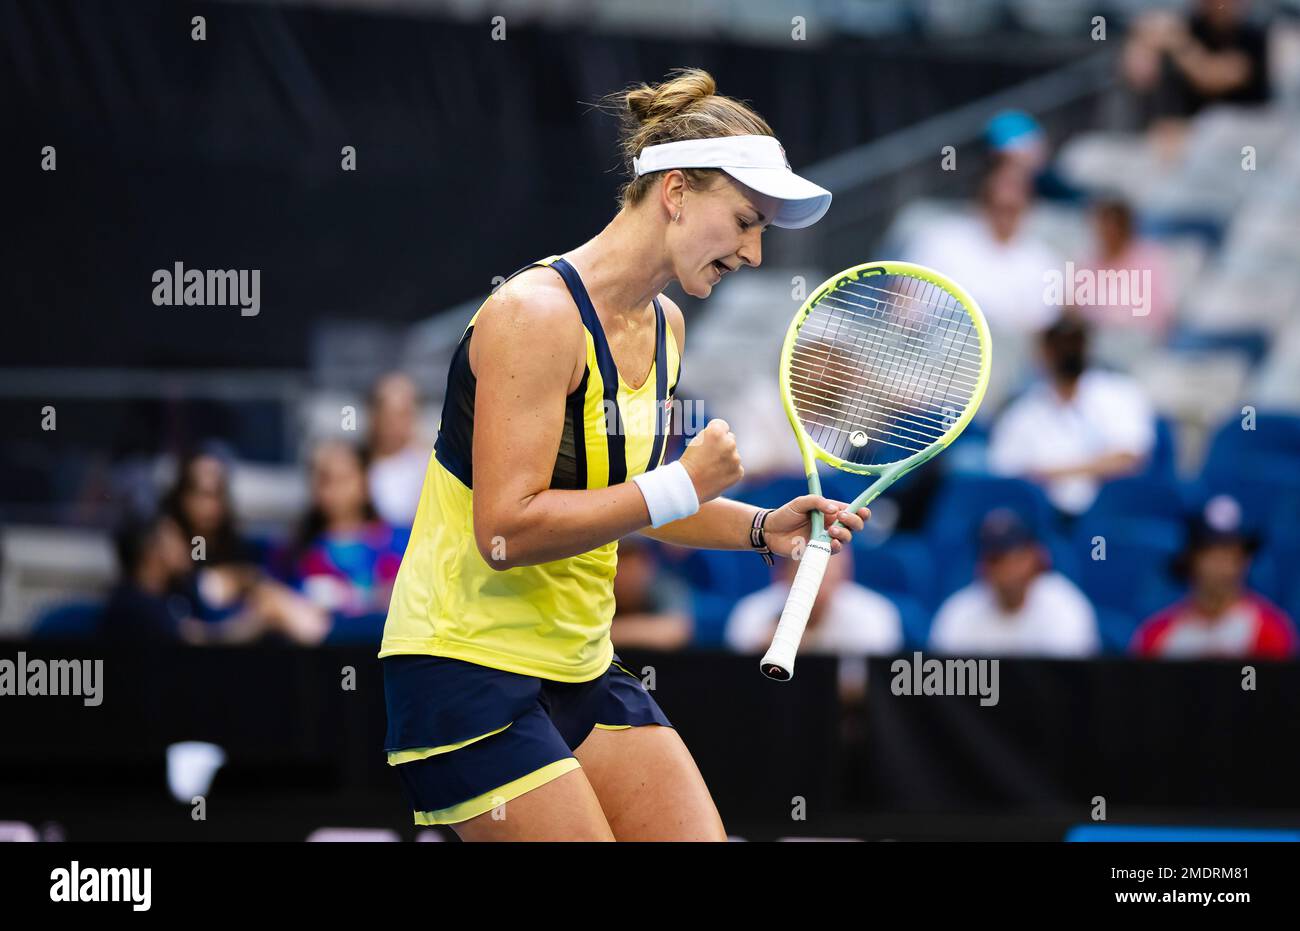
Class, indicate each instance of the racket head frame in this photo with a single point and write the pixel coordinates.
(887, 473)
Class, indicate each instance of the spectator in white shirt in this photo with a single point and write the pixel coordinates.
(991, 254)
(1016, 605)
(397, 458)
(847, 620)
(1003, 267)
(1079, 428)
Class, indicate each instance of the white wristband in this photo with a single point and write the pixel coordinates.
(669, 493)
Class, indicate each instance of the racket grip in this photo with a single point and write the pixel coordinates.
(778, 662)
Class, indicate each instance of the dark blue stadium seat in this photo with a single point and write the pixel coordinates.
(1251, 343)
(1266, 574)
(1286, 552)
(1163, 463)
(1292, 608)
(1234, 451)
(711, 612)
(730, 573)
(964, 500)
(901, 565)
(76, 620)
(1065, 556)
(770, 492)
(1140, 496)
(954, 566)
(1134, 576)
(915, 618)
(1116, 629)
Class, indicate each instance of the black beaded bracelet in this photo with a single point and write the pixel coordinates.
(758, 539)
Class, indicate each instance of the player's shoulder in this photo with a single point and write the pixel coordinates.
(535, 303)
(676, 321)
(537, 289)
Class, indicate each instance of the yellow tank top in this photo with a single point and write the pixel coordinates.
(549, 620)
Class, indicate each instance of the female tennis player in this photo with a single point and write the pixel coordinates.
(510, 717)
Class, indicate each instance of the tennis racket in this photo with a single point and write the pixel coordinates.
(883, 366)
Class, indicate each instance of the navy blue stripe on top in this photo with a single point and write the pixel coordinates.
(661, 388)
(608, 371)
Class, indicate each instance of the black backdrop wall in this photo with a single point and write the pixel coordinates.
(474, 156)
(1158, 741)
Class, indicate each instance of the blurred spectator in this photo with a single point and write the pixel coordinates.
(1220, 617)
(1001, 265)
(1019, 137)
(397, 459)
(847, 619)
(224, 577)
(1145, 265)
(343, 557)
(1176, 66)
(200, 504)
(653, 607)
(1017, 605)
(148, 604)
(1079, 428)
(157, 600)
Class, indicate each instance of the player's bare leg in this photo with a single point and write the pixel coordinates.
(649, 786)
(564, 809)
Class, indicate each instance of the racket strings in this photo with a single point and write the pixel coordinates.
(901, 379)
(906, 416)
(907, 337)
(881, 369)
(960, 359)
(909, 353)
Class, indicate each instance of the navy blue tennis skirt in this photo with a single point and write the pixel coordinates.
(465, 738)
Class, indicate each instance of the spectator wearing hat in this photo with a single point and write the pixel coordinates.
(1077, 428)
(992, 253)
(1018, 136)
(1220, 617)
(1003, 265)
(1017, 605)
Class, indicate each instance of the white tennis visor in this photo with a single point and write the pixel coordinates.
(756, 161)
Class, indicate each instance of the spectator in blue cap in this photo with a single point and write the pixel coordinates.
(1018, 137)
(1017, 605)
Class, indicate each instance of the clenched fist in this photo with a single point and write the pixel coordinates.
(712, 462)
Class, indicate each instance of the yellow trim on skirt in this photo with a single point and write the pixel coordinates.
(481, 804)
(398, 757)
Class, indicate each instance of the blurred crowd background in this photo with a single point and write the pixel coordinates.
(186, 475)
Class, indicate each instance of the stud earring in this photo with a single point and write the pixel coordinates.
(678, 217)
